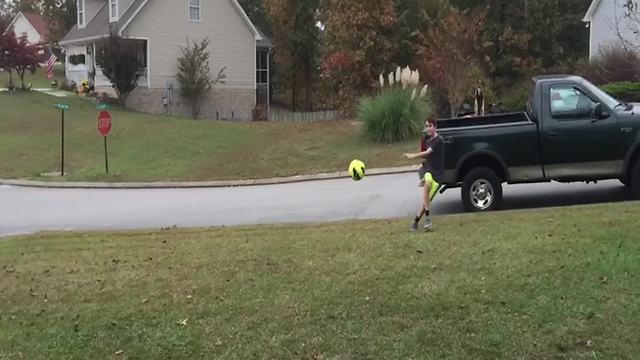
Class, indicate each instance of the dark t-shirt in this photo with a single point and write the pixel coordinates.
(434, 163)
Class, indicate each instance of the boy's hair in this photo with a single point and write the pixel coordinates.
(432, 120)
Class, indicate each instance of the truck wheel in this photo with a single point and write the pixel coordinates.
(635, 180)
(481, 190)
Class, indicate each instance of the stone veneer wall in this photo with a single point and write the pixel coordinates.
(220, 104)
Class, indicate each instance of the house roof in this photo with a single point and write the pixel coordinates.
(36, 20)
(264, 42)
(592, 9)
(100, 27)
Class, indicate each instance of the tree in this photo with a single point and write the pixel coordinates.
(414, 17)
(256, 12)
(297, 43)
(8, 48)
(60, 16)
(19, 55)
(452, 53)
(194, 74)
(5, 16)
(29, 6)
(358, 45)
(119, 61)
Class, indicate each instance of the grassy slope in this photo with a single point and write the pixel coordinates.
(540, 284)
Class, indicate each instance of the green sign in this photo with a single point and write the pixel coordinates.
(62, 106)
(103, 107)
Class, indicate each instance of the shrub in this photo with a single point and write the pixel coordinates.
(625, 90)
(612, 65)
(259, 113)
(399, 111)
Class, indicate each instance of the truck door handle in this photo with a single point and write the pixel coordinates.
(448, 140)
(552, 134)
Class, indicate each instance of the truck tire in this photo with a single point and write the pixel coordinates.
(481, 190)
(635, 180)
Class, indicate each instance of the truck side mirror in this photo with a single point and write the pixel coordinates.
(600, 112)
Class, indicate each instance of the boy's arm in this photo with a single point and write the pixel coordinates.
(422, 154)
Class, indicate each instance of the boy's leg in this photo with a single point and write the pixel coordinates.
(430, 190)
(426, 193)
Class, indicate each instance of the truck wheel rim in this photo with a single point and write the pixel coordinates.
(481, 194)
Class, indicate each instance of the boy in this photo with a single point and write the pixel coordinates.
(432, 171)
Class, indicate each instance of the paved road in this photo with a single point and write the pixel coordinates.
(24, 210)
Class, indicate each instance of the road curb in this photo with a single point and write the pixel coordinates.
(202, 184)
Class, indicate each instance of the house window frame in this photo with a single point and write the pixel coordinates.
(199, 7)
(81, 13)
(114, 17)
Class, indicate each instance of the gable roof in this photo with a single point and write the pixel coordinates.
(36, 20)
(592, 9)
(100, 27)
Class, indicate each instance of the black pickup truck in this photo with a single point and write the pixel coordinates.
(570, 131)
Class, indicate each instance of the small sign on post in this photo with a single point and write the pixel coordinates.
(104, 126)
(62, 107)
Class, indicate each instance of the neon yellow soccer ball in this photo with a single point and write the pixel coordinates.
(356, 169)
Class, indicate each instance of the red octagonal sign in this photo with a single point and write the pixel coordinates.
(104, 123)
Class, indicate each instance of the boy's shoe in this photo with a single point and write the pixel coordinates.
(427, 224)
(414, 226)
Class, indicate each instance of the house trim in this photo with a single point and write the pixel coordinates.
(148, 57)
(14, 21)
(79, 41)
(30, 25)
(199, 12)
(84, 14)
(246, 19)
(592, 9)
(112, 17)
(124, 26)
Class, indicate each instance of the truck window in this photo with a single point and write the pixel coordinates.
(568, 102)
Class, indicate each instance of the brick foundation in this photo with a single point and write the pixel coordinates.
(220, 104)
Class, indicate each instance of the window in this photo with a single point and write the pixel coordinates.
(194, 10)
(113, 10)
(262, 70)
(569, 102)
(80, 13)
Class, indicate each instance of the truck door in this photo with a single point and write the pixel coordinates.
(575, 142)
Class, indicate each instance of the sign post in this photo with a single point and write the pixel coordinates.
(104, 126)
(62, 108)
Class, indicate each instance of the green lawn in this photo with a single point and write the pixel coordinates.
(536, 284)
(145, 147)
(37, 80)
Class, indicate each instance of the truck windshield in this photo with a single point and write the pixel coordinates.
(607, 99)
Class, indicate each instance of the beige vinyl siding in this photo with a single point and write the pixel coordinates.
(91, 9)
(166, 24)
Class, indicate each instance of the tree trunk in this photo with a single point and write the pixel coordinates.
(293, 91)
(21, 76)
(10, 80)
(308, 84)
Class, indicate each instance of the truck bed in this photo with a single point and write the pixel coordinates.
(483, 121)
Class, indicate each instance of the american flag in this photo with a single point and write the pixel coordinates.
(50, 61)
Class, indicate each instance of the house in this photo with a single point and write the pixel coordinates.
(30, 24)
(609, 26)
(158, 28)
